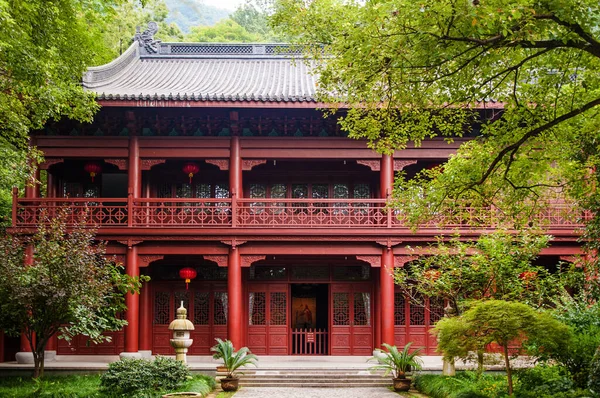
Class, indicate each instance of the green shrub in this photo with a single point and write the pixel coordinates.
(168, 373)
(577, 354)
(543, 380)
(594, 376)
(134, 377)
(463, 385)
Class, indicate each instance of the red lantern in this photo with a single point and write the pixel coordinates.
(188, 274)
(190, 168)
(93, 168)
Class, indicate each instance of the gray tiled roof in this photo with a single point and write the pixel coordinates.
(205, 72)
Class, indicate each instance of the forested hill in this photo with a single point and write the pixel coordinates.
(188, 13)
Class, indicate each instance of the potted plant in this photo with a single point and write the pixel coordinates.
(398, 363)
(232, 361)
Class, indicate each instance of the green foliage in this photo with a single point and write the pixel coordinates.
(68, 286)
(224, 31)
(543, 380)
(501, 322)
(410, 70)
(396, 362)
(492, 267)
(594, 375)
(85, 386)
(118, 32)
(464, 384)
(136, 377)
(233, 360)
(188, 13)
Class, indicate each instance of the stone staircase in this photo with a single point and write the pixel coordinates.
(313, 378)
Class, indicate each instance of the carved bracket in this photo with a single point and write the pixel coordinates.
(222, 164)
(401, 164)
(570, 259)
(400, 261)
(45, 165)
(374, 165)
(146, 259)
(250, 163)
(234, 243)
(375, 261)
(130, 242)
(119, 258)
(389, 243)
(220, 260)
(147, 164)
(120, 163)
(247, 260)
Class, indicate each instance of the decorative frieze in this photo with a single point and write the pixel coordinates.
(247, 260)
(248, 164)
(375, 261)
(46, 164)
(120, 163)
(221, 260)
(147, 164)
(146, 259)
(222, 164)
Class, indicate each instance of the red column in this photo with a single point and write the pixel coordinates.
(234, 292)
(134, 175)
(235, 168)
(132, 301)
(32, 189)
(145, 318)
(386, 286)
(50, 185)
(386, 280)
(377, 323)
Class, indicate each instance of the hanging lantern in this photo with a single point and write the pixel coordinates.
(188, 274)
(93, 168)
(191, 168)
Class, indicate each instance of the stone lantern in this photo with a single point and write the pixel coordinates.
(181, 334)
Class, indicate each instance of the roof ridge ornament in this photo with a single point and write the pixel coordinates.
(146, 38)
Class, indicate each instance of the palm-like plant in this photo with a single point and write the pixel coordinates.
(232, 360)
(397, 362)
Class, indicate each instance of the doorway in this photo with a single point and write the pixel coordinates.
(309, 318)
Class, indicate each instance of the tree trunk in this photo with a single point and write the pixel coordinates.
(508, 371)
(479, 363)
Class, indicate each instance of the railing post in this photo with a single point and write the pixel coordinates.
(15, 197)
(234, 210)
(130, 207)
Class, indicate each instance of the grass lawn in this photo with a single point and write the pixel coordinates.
(86, 386)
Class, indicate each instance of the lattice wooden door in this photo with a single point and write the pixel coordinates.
(268, 330)
(351, 319)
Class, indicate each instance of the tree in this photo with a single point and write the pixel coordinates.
(502, 322)
(66, 285)
(498, 265)
(224, 31)
(411, 70)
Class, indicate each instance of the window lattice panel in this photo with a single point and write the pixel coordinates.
(257, 303)
(399, 309)
(341, 309)
(278, 308)
(161, 308)
(201, 308)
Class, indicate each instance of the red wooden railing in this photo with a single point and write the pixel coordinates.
(263, 213)
(309, 342)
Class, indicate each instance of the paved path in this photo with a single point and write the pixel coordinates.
(265, 392)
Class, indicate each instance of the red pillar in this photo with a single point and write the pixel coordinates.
(235, 168)
(32, 189)
(234, 292)
(386, 283)
(134, 174)
(132, 301)
(386, 280)
(145, 318)
(234, 272)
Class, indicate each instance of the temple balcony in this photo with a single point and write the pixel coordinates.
(335, 215)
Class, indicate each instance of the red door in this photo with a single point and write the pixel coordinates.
(207, 309)
(351, 319)
(268, 319)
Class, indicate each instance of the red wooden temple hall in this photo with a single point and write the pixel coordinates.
(213, 157)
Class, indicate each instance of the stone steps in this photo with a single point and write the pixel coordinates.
(317, 378)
